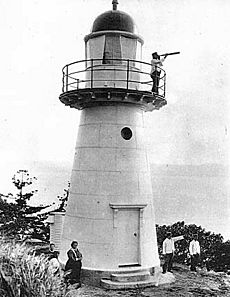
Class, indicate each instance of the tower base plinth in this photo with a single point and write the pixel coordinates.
(124, 278)
(96, 277)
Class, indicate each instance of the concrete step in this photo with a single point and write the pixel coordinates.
(130, 277)
(131, 270)
(114, 285)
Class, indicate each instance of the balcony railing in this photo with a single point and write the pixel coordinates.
(113, 73)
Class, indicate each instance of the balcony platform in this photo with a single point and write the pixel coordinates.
(89, 97)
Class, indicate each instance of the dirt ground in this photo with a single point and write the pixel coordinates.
(187, 283)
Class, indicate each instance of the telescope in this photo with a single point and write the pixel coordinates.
(169, 54)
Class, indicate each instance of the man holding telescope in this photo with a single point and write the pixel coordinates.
(155, 72)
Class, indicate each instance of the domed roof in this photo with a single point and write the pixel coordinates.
(114, 20)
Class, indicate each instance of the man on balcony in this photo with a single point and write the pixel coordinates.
(155, 72)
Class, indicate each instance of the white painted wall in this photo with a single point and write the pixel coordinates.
(109, 169)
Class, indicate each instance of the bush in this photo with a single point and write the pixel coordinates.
(24, 274)
(220, 257)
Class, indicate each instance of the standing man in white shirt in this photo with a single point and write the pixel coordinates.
(194, 250)
(168, 252)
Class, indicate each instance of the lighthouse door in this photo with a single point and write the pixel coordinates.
(128, 237)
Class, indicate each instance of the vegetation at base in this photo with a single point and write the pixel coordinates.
(19, 219)
(22, 274)
(214, 251)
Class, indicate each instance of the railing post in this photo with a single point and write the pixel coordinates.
(91, 73)
(63, 82)
(127, 75)
(66, 78)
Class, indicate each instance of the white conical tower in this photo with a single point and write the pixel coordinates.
(110, 211)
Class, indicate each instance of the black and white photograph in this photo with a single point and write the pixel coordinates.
(114, 148)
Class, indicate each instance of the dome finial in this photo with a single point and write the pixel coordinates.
(115, 2)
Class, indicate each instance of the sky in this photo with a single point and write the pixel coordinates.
(39, 37)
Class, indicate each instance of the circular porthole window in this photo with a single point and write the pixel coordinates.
(126, 133)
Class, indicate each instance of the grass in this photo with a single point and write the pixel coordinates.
(23, 274)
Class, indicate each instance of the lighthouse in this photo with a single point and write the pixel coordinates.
(110, 209)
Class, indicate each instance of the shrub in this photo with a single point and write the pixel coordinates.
(22, 274)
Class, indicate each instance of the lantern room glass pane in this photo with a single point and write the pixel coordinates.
(128, 48)
(112, 50)
(95, 48)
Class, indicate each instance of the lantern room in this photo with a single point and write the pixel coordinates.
(112, 44)
(113, 70)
